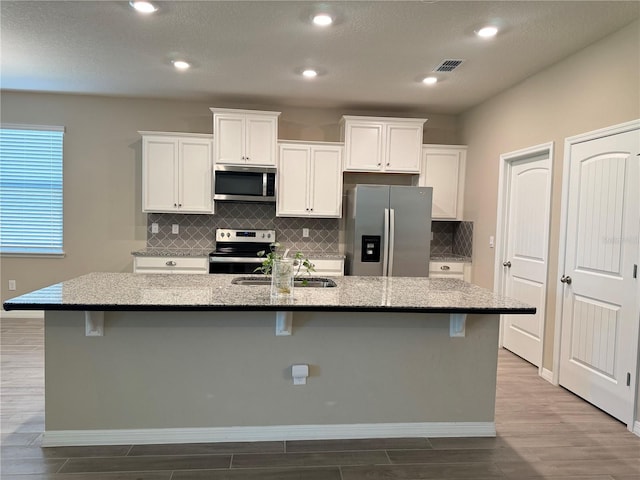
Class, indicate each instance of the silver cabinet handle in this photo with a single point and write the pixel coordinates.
(171, 263)
(506, 264)
(566, 279)
(445, 267)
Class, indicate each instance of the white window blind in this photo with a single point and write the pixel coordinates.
(31, 189)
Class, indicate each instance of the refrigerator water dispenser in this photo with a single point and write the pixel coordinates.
(370, 248)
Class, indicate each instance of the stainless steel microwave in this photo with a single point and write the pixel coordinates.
(244, 184)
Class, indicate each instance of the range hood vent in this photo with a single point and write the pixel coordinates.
(448, 65)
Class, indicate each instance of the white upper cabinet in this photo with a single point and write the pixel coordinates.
(245, 137)
(382, 144)
(443, 168)
(309, 180)
(176, 173)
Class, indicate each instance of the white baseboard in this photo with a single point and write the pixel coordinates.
(636, 428)
(59, 438)
(547, 375)
(22, 314)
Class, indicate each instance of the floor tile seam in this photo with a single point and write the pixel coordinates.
(153, 456)
(384, 449)
(193, 454)
(326, 465)
(62, 466)
(118, 472)
(454, 464)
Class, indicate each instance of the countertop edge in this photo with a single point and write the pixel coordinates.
(267, 308)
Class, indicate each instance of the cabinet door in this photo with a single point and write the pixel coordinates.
(363, 146)
(444, 171)
(159, 173)
(260, 140)
(194, 179)
(293, 174)
(229, 138)
(403, 148)
(325, 182)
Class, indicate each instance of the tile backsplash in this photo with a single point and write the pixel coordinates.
(452, 238)
(198, 231)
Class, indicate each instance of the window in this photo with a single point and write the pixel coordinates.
(31, 189)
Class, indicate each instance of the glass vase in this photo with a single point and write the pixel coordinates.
(282, 278)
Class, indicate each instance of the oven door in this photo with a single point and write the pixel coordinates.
(242, 265)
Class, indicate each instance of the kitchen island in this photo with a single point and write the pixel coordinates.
(133, 358)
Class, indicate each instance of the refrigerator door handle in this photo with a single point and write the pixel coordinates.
(385, 252)
(392, 237)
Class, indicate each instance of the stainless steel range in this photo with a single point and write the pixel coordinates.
(237, 250)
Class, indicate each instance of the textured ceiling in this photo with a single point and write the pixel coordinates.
(251, 52)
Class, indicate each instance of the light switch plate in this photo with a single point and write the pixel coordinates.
(305, 232)
(154, 227)
(175, 229)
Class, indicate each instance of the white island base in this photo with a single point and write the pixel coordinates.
(224, 376)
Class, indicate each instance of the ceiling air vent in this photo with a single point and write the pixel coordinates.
(448, 65)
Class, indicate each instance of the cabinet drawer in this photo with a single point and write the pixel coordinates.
(171, 265)
(328, 267)
(446, 267)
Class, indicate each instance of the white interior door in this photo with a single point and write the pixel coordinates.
(600, 309)
(525, 251)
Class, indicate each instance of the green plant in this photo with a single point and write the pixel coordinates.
(299, 261)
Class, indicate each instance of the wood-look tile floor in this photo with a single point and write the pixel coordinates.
(544, 432)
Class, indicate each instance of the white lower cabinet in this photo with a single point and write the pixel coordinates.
(458, 270)
(176, 173)
(327, 267)
(309, 180)
(197, 265)
(443, 168)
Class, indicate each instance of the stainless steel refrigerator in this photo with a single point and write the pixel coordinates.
(388, 230)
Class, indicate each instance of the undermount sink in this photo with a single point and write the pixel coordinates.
(317, 282)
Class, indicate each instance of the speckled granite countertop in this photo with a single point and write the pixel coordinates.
(172, 252)
(450, 257)
(130, 291)
(199, 252)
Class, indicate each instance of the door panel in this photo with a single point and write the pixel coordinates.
(260, 138)
(161, 170)
(412, 238)
(326, 182)
(527, 252)
(599, 338)
(292, 180)
(195, 172)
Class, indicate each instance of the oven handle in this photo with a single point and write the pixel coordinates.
(236, 260)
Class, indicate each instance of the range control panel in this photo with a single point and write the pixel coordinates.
(245, 236)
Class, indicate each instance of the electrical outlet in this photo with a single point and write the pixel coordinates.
(12, 284)
(154, 227)
(175, 229)
(305, 232)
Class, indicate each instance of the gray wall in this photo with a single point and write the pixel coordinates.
(595, 88)
(103, 219)
(224, 369)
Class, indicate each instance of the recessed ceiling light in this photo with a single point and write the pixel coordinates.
(322, 19)
(487, 32)
(181, 64)
(430, 80)
(143, 7)
(309, 73)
